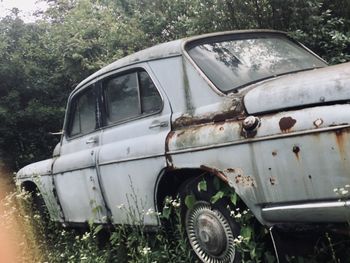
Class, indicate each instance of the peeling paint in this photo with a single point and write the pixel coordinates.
(232, 111)
(286, 124)
(236, 177)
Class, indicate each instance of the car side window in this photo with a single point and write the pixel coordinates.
(83, 117)
(150, 98)
(129, 96)
(122, 97)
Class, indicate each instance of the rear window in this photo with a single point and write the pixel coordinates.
(232, 62)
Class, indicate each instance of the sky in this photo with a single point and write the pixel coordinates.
(26, 7)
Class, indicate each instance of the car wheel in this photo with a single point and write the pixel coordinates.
(211, 230)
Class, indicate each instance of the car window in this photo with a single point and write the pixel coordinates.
(129, 96)
(150, 98)
(122, 97)
(83, 113)
(233, 63)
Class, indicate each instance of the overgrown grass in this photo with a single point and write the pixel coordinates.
(50, 242)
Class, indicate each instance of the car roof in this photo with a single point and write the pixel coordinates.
(164, 50)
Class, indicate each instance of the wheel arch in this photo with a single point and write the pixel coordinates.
(170, 181)
(29, 186)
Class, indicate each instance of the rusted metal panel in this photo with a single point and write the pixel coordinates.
(301, 162)
(318, 86)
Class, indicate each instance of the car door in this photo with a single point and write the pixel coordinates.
(74, 171)
(137, 119)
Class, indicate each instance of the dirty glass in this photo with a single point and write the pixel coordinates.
(84, 113)
(150, 98)
(122, 98)
(234, 63)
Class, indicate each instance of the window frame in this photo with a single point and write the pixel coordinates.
(71, 109)
(141, 115)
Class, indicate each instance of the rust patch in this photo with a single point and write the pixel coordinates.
(296, 151)
(234, 111)
(246, 181)
(168, 158)
(272, 180)
(215, 172)
(236, 177)
(318, 123)
(339, 135)
(230, 170)
(287, 123)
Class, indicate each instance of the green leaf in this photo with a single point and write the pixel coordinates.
(234, 198)
(98, 229)
(202, 186)
(246, 232)
(216, 197)
(166, 212)
(190, 200)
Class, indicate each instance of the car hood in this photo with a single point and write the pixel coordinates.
(302, 89)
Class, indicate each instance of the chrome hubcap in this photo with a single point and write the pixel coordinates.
(210, 234)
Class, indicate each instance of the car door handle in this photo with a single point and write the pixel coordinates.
(158, 124)
(91, 140)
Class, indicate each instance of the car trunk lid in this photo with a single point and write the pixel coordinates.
(302, 89)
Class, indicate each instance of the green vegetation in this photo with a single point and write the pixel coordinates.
(50, 242)
(41, 62)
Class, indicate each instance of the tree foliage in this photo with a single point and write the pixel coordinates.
(41, 62)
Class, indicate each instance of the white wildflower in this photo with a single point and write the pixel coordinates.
(150, 212)
(85, 236)
(146, 250)
(175, 204)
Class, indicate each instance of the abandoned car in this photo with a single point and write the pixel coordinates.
(255, 109)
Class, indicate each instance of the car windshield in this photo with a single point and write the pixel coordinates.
(233, 62)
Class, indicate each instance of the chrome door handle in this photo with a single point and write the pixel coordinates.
(159, 124)
(91, 141)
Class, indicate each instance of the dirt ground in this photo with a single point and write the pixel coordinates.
(15, 246)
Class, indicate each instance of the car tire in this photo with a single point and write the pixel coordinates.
(209, 227)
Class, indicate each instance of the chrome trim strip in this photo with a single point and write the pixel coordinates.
(334, 204)
(76, 169)
(266, 138)
(132, 159)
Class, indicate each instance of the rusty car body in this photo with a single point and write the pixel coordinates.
(255, 109)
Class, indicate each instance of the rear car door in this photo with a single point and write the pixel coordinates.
(137, 121)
